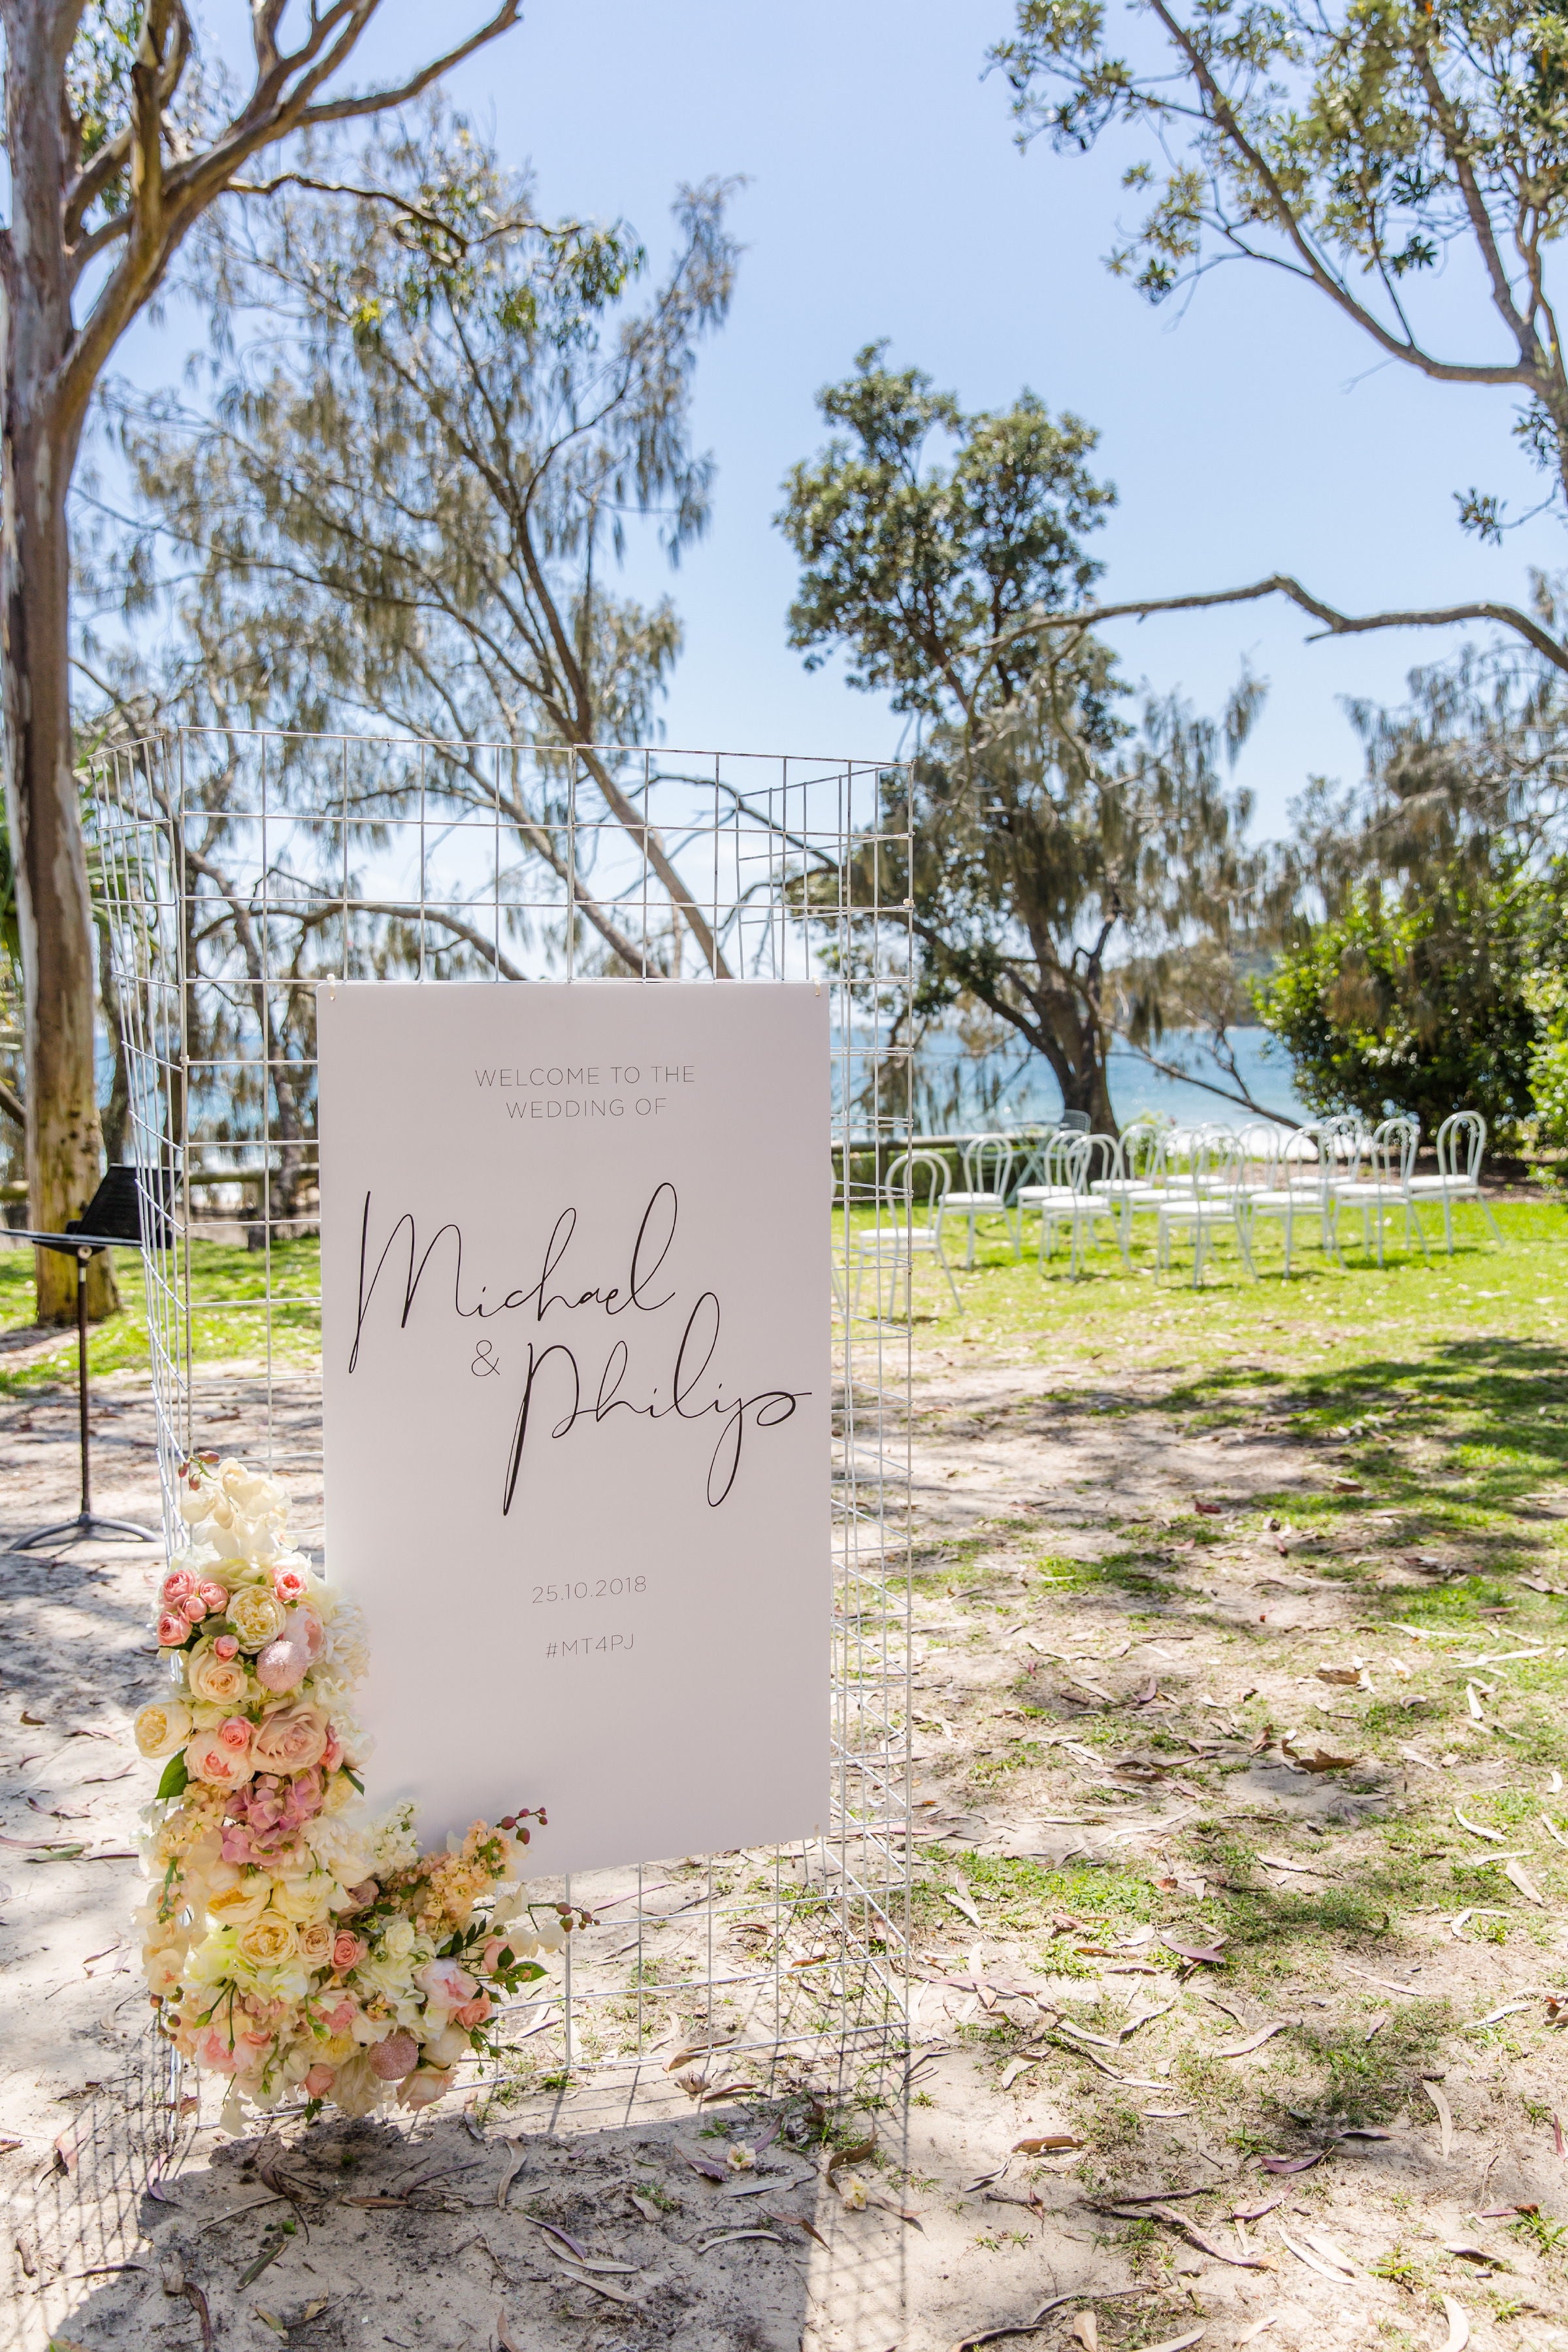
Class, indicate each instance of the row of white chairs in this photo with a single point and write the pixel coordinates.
(1196, 1182)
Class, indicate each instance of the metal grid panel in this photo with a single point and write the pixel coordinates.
(244, 867)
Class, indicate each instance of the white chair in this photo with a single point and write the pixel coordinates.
(1069, 1203)
(1298, 1192)
(988, 1161)
(1388, 1157)
(1136, 1182)
(909, 1226)
(1461, 1148)
(1207, 1200)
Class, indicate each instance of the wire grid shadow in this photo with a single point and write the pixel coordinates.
(241, 869)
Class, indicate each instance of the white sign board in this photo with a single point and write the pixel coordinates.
(576, 1294)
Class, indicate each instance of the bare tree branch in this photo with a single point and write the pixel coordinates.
(1335, 623)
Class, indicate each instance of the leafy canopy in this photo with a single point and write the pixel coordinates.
(1047, 824)
(1361, 147)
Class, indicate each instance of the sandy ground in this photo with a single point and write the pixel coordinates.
(430, 2233)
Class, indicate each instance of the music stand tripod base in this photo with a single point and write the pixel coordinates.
(83, 1247)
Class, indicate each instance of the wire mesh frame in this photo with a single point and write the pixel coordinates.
(240, 870)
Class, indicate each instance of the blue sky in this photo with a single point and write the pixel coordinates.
(1248, 431)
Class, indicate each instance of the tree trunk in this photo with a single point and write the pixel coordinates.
(37, 450)
(1087, 1090)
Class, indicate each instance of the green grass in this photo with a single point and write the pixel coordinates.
(228, 1288)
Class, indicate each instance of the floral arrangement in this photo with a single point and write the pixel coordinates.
(292, 1942)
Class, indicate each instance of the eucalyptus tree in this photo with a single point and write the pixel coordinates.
(1068, 862)
(1370, 152)
(432, 417)
(117, 145)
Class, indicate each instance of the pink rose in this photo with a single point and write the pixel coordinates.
(472, 2012)
(213, 1595)
(394, 2058)
(207, 1757)
(282, 1665)
(347, 1951)
(320, 2081)
(226, 1647)
(338, 2020)
(193, 1608)
(445, 1983)
(236, 1733)
(489, 1959)
(290, 1585)
(332, 1753)
(306, 1628)
(175, 1587)
(173, 1630)
(213, 2051)
(289, 1739)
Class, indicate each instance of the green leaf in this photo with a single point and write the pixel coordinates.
(175, 1780)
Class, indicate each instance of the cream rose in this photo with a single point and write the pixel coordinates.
(289, 1739)
(210, 1758)
(214, 1681)
(241, 1904)
(267, 1942)
(160, 1729)
(316, 1940)
(255, 1615)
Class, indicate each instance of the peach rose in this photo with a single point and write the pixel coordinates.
(348, 1951)
(193, 1608)
(158, 1730)
(213, 1595)
(225, 1646)
(173, 1630)
(472, 2012)
(214, 1681)
(209, 1758)
(163, 1970)
(316, 1943)
(320, 2081)
(289, 1739)
(175, 1587)
(290, 1585)
(423, 2089)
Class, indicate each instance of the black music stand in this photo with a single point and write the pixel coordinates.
(111, 1220)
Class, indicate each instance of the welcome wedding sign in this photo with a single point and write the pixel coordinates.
(575, 1346)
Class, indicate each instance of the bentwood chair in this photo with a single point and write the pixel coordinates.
(1461, 1148)
(1206, 1200)
(1071, 1204)
(1387, 1157)
(909, 1226)
(986, 1190)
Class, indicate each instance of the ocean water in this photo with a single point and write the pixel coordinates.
(957, 1090)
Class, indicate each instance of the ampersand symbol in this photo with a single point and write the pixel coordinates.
(484, 1362)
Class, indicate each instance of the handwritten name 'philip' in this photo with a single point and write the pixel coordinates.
(575, 1380)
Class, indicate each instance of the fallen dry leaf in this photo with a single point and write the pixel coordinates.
(1042, 2144)
(1445, 2117)
(1086, 2329)
(1330, 2251)
(1313, 2262)
(1254, 2040)
(1458, 2325)
(1476, 1830)
(1351, 1675)
(1519, 1877)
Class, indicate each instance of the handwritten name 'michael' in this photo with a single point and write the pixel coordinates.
(559, 1391)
